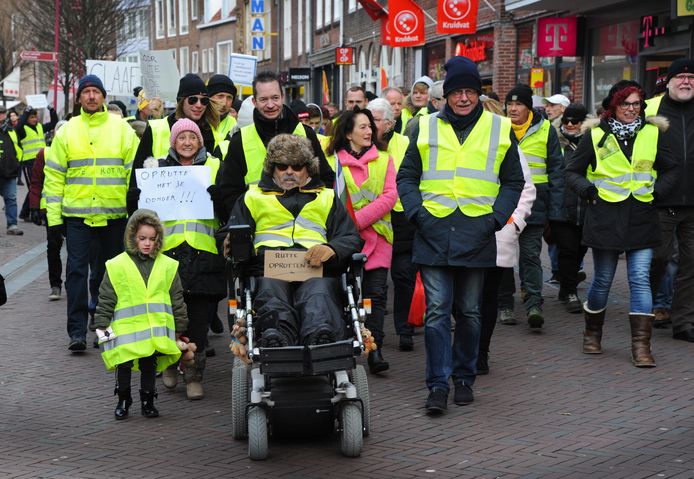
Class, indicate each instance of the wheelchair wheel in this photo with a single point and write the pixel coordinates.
(239, 399)
(361, 382)
(351, 438)
(257, 434)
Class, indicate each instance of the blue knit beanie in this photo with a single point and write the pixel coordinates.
(461, 72)
(90, 80)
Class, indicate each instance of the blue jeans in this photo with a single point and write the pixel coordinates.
(663, 300)
(8, 191)
(447, 287)
(80, 239)
(638, 272)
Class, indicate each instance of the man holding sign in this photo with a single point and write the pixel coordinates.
(291, 212)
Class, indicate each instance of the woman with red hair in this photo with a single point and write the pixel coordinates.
(614, 171)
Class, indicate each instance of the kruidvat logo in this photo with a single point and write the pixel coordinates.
(456, 9)
(406, 22)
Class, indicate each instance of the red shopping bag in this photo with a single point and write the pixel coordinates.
(418, 306)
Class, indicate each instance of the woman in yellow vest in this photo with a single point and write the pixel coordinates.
(192, 242)
(142, 300)
(614, 170)
(370, 193)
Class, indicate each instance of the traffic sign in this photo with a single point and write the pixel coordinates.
(36, 56)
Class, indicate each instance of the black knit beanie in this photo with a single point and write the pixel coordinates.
(461, 72)
(681, 65)
(521, 93)
(220, 84)
(191, 84)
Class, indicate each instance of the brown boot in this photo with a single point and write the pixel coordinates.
(192, 375)
(641, 328)
(592, 335)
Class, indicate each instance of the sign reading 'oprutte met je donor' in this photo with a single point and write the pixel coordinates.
(289, 266)
(176, 192)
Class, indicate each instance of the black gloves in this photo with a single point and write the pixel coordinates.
(215, 193)
(131, 199)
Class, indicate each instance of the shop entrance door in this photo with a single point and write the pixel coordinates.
(656, 71)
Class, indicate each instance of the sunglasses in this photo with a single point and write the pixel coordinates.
(192, 100)
(283, 167)
(570, 121)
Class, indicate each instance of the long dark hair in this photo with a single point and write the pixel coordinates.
(345, 125)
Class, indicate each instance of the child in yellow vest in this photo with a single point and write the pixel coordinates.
(141, 312)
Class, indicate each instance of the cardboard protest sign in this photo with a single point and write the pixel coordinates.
(159, 74)
(289, 266)
(37, 101)
(119, 78)
(176, 192)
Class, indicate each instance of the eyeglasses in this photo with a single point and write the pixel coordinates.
(468, 92)
(684, 78)
(570, 121)
(192, 100)
(283, 167)
(625, 105)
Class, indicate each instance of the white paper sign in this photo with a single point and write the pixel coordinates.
(119, 78)
(37, 101)
(176, 192)
(242, 68)
(160, 75)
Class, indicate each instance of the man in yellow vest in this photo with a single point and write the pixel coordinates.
(459, 183)
(291, 209)
(222, 92)
(394, 96)
(85, 187)
(247, 147)
(539, 143)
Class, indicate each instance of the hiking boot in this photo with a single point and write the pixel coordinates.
(506, 317)
(406, 342)
(535, 318)
(463, 395)
(437, 402)
(14, 230)
(170, 377)
(55, 294)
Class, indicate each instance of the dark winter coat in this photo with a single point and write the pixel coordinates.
(457, 239)
(572, 209)
(626, 225)
(233, 184)
(343, 236)
(37, 178)
(9, 165)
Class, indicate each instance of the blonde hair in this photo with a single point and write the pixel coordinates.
(493, 106)
(211, 117)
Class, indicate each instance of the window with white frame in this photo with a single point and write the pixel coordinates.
(142, 23)
(183, 61)
(352, 5)
(171, 18)
(328, 11)
(194, 62)
(337, 13)
(204, 60)
(183, 17)
(224, 49)
(193, 9)
(300, 28)
(159, 18)
(210, 60)
(287, 21)
(319, 14)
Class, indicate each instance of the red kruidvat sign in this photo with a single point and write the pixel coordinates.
(556, 37)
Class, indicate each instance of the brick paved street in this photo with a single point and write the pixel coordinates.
(545, 411)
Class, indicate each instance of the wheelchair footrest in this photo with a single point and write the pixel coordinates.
(308, 360)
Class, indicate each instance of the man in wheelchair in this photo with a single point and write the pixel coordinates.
(291, 209)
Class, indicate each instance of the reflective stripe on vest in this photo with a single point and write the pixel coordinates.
(653, 105)
(534, 147)
(254, 150)
(225, 126)
(615, 176)
(462, 176)
(275, 227)
(161, 134)
(370, 190)
(143, 321)
(33, 142)
(199, 234)
(397, 146)
(17, 148)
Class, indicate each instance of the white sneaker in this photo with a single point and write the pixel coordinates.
(14, 231)
(55, 294)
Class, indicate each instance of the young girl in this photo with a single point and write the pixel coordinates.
(141, 297)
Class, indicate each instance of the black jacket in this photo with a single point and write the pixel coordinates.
(626, 225)
(572, 210)
(679, 139)
(233, 184)
(457, 239)
(9, 165)
(343, 236)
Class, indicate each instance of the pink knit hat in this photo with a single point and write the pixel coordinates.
(184, 124)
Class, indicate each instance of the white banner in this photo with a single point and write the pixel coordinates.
(242, 68)
(160, 75)
(10, 85)
(119, 78)
(37, 101)
(176, 192)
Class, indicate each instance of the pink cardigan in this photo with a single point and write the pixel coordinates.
(379, 252)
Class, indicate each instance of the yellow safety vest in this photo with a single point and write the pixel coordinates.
(17, 148)
(615, 175)
(199, 234)
(46, 156)
(324, 142)
(276, 227)
(534, 147)
(405, 116)
(372, 188)
(32, 142)
(143, 321)
(225, 126)
(254, 150)
(86, 175)
(462, 176)
(161, 135)
(652, 105)
(397, 146)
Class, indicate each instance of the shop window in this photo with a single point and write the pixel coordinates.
(435, 59)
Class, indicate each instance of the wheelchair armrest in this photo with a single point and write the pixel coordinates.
(240, 242)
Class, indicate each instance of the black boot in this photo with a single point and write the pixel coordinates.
(147, 399)
(125, 400)
(376, 362)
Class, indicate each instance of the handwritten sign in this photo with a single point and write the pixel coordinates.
(289, 266)
(176, 192)
(37, 101)
(159, 74)
(119, 78)
(242, 68)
